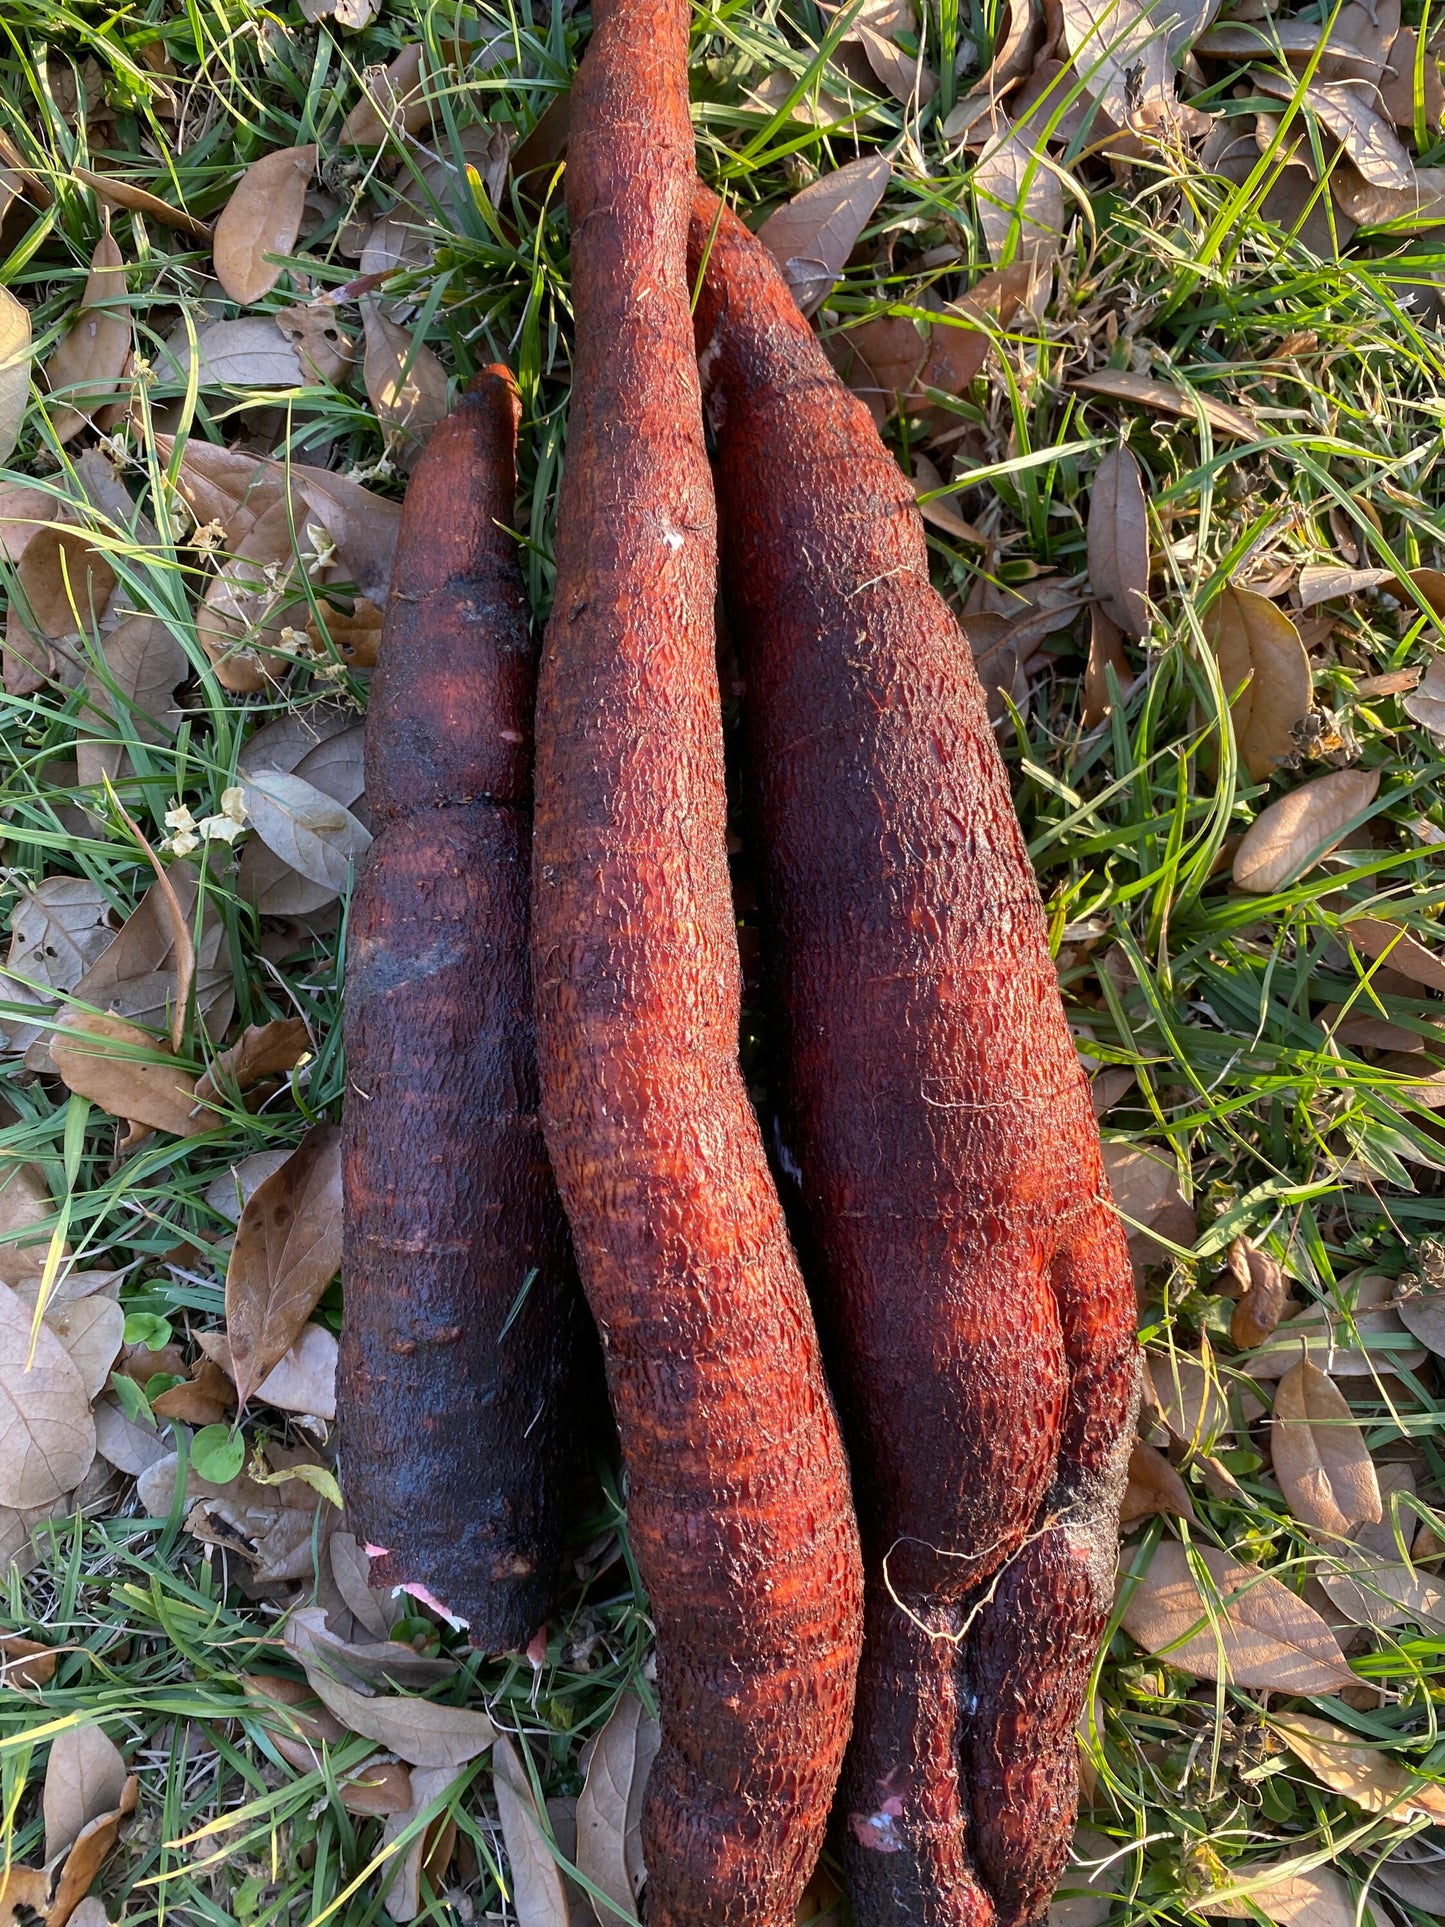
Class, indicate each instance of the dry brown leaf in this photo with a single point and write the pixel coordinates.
(1124, 53)
(129, 1447)
(84, 368)
(380, 1787)
(429, 1853)
(287, 1251)
(25, 1201)
(812, 235)
(144, 663)
(1319, 1454)
(538, 1897)
(261, 1051)
(609, 1807)
(1364, 1774)
(1265, 1297)
(47, 1435)
(304, 1378)
(393, 101)
(375, 1609)
(1261, 1634)
(57, 931)
(95, 1842)
(1118, 542)
(1334, 1340)
(1378, 938)
(136, 975)
(1257, 646)
(122, 193)
(1349, 110)
(1145, 1188)
(313, 834)
(207, 1398)
(879, 361)
(322, 346)
(25, 1662)
(1318, 1899)
(66, 583)
(1154, 1487)
(92, 1331)
(1425, 704)
(296, 1722)
(23, 508)
(1018, 197)
(1016, 47)
(1415, 1873)
(1292, 835)
(374, 1666)
(84, 1779)
(262, 219)
(354, 634)
(250, 352)
(937, 509)
(423, 1732)
(126, 1072)
(14, 370)
(1106, 652)
(903, 74)
(405, 383)
(1398, 82)
(1329, 582)
(1121, 384)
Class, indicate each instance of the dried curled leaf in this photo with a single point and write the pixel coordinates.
(1154, 1486)
(422, 1732)
(123, 1070)
(260, 221)
(1252, 1632)
(1293, 834)
(1265, 672)
(261, 1051)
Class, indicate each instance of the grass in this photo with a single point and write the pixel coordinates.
(1322, 1155)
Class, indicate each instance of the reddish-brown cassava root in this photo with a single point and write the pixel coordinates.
(462, 1314)
(971, 1272)
(738, 1504)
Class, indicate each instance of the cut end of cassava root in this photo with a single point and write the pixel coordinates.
(457, 1383)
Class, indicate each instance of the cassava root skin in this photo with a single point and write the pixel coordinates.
(972, 1276)
(455, 1437)
(738, 1503)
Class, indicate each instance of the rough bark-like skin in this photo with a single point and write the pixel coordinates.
(454, 1435)
(972, 1273)
(738, 1504)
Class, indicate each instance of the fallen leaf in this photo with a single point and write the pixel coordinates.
(254, 596)
(1344, 108)
(92, 1331)
(380, 1787)
(1364, 1774)
(129, 1447)
(57, 930)
(393, 101)
(1319, 1454)
(123, 193)
(228, 1195)
(937, 509)
(902, 73)
(1123, 51)
(144, 662)
(1415, 1873)
(297, 1723)
(207, 1397)
(25, 1201)
(370, 1667)
(1106, 652)
(317, 837)
(422, 1732)
(84, 368)
(1291, 836)
(405, 383)
(97, 1839)
(1018, 197)
(429, 1853)
(812, 235)
(1154, 1487)
(1425, 704)
(1378, 938)
(1330, 582)
(14, 370)
(250, 352)
(537, 1894)
(1162, 396)
(354, 634)
(1397, 84)
(287, 1251)
(1265, 1298)
(323, 347)
(1144, 1185)
(261, 1051)
(47, 1435)
(1423, 1315)
(609, 1807)
(1118, 542)
(1261, 1634)
(1318, 1899)
(304, 1378)
(375, 1609)
(1357, 1343)
(126, 1072)
(262, 219)
(879, 361)
(1257, 646)
(66, 583)
(135, 977)
(84, 1778)
(23, 508)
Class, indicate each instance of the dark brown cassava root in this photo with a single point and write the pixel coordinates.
(971, 1272)
(738, 1504)
(462, 1314)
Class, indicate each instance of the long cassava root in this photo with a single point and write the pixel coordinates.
(738, 1504)
(970, 1272)
(463, 1319)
